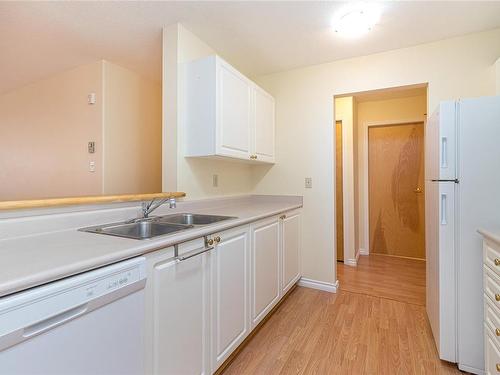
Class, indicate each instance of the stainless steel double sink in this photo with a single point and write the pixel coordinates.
(141, 229)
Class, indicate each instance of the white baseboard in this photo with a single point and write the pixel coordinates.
(363, 252)
(352, 262)
(320, 285)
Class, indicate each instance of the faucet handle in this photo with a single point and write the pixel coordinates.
(172, 203)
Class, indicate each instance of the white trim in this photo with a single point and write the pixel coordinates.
(365, 201)
(320, 285)
(352, 262)
(363, 252)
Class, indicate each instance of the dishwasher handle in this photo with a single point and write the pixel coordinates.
(54, 320)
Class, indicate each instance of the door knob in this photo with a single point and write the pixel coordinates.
(418, 190)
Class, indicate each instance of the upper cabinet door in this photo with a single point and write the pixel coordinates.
(264, 126)
(234, 113)
(225, 114)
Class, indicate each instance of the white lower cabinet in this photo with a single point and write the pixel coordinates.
(290, 243)
(229, 293)
(204, 303)
(265, 267)
(179, 318)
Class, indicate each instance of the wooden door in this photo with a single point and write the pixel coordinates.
(339, 191)
(290, 250)
(265, 268)
(396, 196)
(230, 293)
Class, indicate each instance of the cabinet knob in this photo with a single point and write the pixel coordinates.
(253, 157)
(497, 331)
(497, 262)
(217, 239)
(497, 297)
(283, 217)
(210, 242)
(498, 367)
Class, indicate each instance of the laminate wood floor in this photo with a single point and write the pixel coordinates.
(400, 279)
(315, 332)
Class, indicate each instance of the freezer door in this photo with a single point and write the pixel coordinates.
(440, 263)
(441, 151)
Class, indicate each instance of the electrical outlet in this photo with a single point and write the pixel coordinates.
(215, 180)
(308, 183)
(92, 166)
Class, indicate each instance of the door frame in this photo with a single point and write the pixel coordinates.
(366, 196)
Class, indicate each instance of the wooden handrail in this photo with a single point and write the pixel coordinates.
(96, 199)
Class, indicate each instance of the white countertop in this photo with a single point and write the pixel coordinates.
(39, 258)
(491, 234)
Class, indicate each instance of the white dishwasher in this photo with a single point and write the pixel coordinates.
(92, 323)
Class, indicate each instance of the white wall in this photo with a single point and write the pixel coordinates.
(458, 67)
(405, 109)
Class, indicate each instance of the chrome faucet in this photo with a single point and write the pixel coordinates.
(148, 207)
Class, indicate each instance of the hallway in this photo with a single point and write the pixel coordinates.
(375, 324)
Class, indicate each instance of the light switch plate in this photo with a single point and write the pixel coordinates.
(308, 183)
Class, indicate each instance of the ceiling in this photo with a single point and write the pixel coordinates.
(38, 39)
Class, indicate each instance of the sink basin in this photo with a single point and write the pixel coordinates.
(139, 230)
(192, 219)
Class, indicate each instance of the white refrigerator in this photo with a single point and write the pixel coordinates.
(462, 194)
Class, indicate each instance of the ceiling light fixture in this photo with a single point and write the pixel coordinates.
(356, 19)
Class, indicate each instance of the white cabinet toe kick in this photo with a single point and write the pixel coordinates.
(204, 297)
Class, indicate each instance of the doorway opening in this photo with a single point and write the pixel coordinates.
(379, 171)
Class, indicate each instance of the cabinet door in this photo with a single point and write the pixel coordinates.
(263, 135)
(234, 113)
(265, 268)
(181, 313)
(290, 243)
(230, 291)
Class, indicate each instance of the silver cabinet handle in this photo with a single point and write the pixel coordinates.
(184, 257)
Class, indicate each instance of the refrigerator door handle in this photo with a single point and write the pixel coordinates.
(444, 209)
(444, 152)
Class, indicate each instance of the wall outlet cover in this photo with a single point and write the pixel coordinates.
(308, 182)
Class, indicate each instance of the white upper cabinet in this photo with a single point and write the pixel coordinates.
(226, 114)
(264, 126)
(235, 97)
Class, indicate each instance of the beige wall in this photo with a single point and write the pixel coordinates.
(131, 132)
(345, 111)
(194, 175)
(378, 112)
(44, 130)
(459, 67)
(497, 69)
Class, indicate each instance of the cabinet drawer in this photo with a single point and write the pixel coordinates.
(492, 286)
(492, 320)
(491, 254)
(492, 354)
